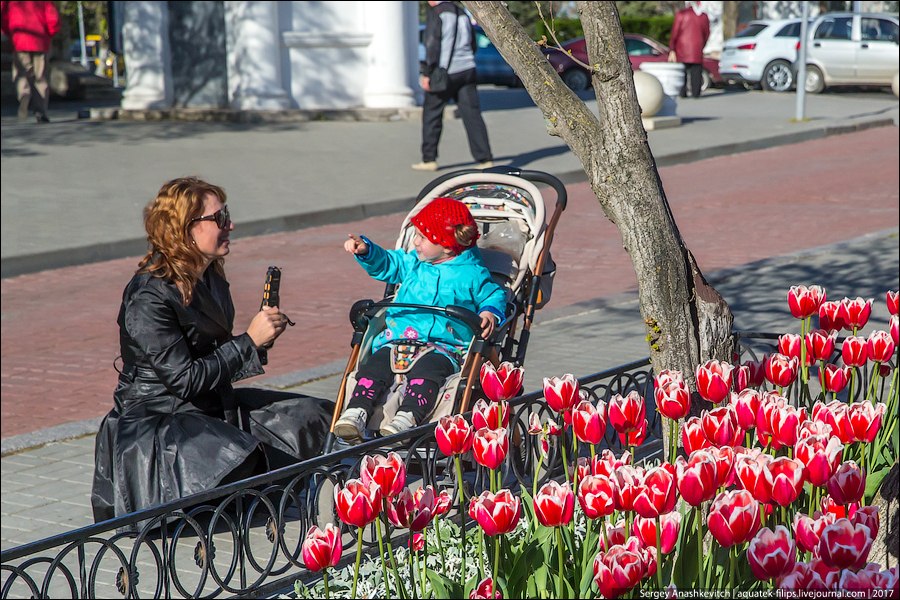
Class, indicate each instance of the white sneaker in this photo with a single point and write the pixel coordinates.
(402, 421)
(351, 425)
(485, 165)
(425, 166)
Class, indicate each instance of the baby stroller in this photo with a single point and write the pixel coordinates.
(515, 242)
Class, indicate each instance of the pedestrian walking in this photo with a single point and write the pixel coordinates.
(31, 26)
(690, 31)
(449, 74)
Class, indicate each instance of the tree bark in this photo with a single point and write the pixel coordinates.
(686, 320)
(730, 14)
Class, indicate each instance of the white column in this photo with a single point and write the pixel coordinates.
(391, 24)
(145, 37)
(253, 47)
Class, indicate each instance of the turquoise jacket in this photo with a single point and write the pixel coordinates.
(463, 280)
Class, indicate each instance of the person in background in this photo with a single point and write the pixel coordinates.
(690, 31)
(444, 23)
(31, 26)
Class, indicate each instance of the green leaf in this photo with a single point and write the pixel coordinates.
(470, 585)
(873, 481)
(587, 580)
(686, 573)
(442, 586)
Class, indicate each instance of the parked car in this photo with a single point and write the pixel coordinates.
(489, 63)
(762, 54)
(640, 49)
(852, 49)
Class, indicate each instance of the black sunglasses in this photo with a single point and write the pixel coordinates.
(221, 217)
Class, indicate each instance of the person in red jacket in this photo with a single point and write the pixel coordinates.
(690, 31)
(31, 26)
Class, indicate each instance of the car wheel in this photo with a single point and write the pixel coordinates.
(576, 79)
(815, 81)
(705, 81)
(778, 76)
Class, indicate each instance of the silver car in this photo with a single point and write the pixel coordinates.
(852, 49)
(762, 54)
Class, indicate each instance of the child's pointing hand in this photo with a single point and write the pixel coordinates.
(356, 245)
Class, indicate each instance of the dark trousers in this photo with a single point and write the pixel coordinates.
(693, 80)
(423, 382)
(464, 92)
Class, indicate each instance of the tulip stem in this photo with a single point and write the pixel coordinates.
(412, 575)
(437, 531)
(384, 573)
(480, 554)
(870, 393)
(424, 558)
(496, 570)
(659, 553)
(325, 577)
(462, 522)
(605, 535)
(699, 545)
(359, 537)
(402, 588)
(559, 545)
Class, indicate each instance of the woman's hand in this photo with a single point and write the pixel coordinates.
(266, 326)
(488, 320)
(425, 82)
(672, 56)
(356, 245)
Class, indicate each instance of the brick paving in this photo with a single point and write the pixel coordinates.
(59, 337)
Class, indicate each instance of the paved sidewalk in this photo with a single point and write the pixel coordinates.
(46, 490)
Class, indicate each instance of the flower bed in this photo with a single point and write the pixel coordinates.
(772, 488)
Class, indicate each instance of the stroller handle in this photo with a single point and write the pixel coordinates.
(534, 176)
(464, 315)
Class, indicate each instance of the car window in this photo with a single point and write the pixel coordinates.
(834, 28)
(790, 30)
(482, 40)
(752, 30)
(879, 30)
(638, 48)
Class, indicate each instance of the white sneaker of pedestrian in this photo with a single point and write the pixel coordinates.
(425, 166)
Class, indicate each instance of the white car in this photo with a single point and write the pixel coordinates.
(852, 49)
(762, 54)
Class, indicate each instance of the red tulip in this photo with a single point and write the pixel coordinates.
(757, 372)
(648, 556)
(835, 377)
(886, 579)
(750, 470)
(820, 344)
(502, 383)
(808, 531)
(322, 548)
(848, 484)
(772, 554)
(627, 480)
(413, 512)
(357, 503)
(606, 463)
(492, 415)
(827, 574)
(724, 459)
(769, 403)
(454, 435)
(892, 302)
(441, 501)
(645, 530)
(830, 317)
(865, 420)
(839, 511)
(821, 455)
(861, 582)
(656, 494)
(746, 406)
(696, 477)
(667, 376)
(895, 329)
(617, 571)
(844, 545)
(673, 400)
(595, 495)
(802, 577)
(720, 426)
(781, 370)
(855, 351)
(626, 414)
(789, 345)
(534, 424)
(880, 346)
(868, 516)
(554, 504)
(561, 393)
(733, 518)
(589, 423)
(784, 477)
(692, 436)
(490, 447)
(485, 589)
(834, 414)
(741, 379)
(808, 428)
(496, 513)
(855, 312)
(634, 438)
(804, 301)
(785, 422)
(714, 380)
(616, 534)
(387, 472)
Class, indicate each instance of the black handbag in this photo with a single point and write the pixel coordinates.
(440, 78)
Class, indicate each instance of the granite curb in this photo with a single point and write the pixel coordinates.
(31, 263)
(26, 441)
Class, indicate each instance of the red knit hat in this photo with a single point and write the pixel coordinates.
(439, 218)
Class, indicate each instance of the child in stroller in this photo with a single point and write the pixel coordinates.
(444, 268)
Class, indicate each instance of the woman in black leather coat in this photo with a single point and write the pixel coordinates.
(177, 426)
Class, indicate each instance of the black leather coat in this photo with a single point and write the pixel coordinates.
(177, 426)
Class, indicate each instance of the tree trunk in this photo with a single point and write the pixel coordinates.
(686, 320)
(730, 14)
